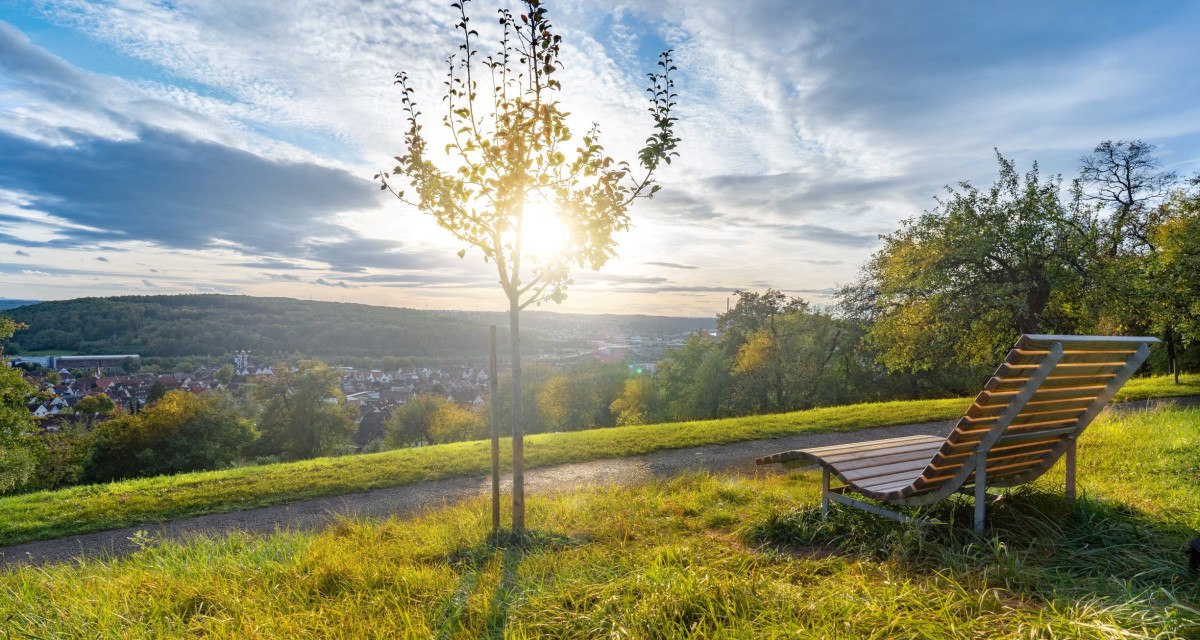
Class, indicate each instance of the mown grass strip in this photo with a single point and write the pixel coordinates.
(51, 514)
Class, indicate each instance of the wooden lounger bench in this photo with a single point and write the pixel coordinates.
(1029, 414)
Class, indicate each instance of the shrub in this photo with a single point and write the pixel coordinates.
(182, 432)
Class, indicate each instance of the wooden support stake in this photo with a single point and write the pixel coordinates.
(492, 375)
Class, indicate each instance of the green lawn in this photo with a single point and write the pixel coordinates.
(81, 509)
(698, 556)
(49, 352)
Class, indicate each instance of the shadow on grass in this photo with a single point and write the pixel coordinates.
(1036, 544)
(472, 562)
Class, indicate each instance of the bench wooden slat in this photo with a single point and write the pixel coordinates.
(1027, 356)
(1048, 434)
(1082, 343)
(859, 475)
(893, 486)
(855, 457)
(1025, 417)
(1089, 392)
(858, 450)
(925, 454)
(1054, 382)
(905, 477)
(980, 411)
(869, 445)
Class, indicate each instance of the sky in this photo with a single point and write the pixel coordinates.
(228, 146)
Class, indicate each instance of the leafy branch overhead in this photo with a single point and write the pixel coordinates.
(510, 149)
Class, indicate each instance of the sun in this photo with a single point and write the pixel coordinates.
(543, 235)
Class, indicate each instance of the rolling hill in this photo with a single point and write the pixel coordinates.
(9, 303)
(212, 326)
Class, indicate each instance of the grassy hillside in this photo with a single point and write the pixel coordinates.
(50, 514)
(699, 556)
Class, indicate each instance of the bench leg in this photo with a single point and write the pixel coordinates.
(980, 494)
(825, 492)
(1071, 473)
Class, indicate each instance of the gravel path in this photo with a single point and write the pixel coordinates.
(409, 499)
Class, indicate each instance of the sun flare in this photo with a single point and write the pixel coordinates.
(543, 234)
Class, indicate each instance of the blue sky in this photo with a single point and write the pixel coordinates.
(228, 146)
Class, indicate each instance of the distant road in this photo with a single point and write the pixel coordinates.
(406, 500)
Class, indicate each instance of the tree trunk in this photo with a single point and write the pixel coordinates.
(518, 429)
(1172, 361)
(494, 411)
(777, 364)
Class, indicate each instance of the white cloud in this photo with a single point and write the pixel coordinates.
(807, 127)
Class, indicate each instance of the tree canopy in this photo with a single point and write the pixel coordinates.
(304, 413)
(181, 432)
(16, 463)
(957, 283)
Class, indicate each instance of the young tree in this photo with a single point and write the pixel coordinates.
(508, 147)
(304, 412)
(533, 377)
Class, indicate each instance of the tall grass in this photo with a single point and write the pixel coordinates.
(698, 556)
(51, 514)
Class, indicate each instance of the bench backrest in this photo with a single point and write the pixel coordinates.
(1048, 390)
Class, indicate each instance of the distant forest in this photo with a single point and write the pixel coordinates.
(208, 326)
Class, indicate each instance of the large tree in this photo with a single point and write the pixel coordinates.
(751, 337)
(694, 379)
(958, 283)
(304, 413)
(1127, 180)
(1169, 288)
(508, 179)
